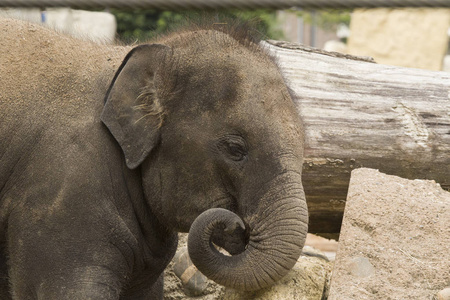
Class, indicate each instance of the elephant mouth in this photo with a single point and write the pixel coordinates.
(234, 241)
(264, 244)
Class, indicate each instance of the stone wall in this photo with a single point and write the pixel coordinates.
(411, 37)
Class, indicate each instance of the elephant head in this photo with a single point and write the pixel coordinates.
(208, 120)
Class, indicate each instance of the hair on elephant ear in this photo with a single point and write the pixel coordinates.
(150, 105)
(133, 112)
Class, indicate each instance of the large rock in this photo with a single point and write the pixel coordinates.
(394, 242)
(410, 37)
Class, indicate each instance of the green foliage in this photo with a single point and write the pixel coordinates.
(141, 25)
(136, 25)
(264, 20)
(326, 19)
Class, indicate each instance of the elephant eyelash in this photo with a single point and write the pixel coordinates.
(234, 147)
(237, 151)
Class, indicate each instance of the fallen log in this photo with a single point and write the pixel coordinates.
(361, 114)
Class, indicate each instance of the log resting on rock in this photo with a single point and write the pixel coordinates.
(361, 114)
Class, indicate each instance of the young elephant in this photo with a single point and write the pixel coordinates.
(200, 130)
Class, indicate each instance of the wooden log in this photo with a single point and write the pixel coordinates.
(361, 114)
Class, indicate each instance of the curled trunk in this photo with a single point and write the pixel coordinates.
(276, 239)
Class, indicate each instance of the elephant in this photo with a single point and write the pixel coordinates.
(108, 151)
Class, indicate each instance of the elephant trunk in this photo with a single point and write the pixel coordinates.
(277, 236)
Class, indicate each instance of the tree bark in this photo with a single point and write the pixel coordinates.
(361, 114)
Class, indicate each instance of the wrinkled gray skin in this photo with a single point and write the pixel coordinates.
(99, 171)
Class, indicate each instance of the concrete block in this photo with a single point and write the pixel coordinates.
(395, 239)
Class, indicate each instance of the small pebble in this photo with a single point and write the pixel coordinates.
(361, 267)
(444, 294)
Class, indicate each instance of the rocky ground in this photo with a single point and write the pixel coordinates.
(309, 277)
(394, 244)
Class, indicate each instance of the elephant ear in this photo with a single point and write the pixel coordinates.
(133, 112)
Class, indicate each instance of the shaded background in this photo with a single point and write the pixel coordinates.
(415, 37)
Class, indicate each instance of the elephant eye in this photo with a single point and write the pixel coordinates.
(236, 151)
(233, 147)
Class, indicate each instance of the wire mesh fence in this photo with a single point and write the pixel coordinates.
(224, 4)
